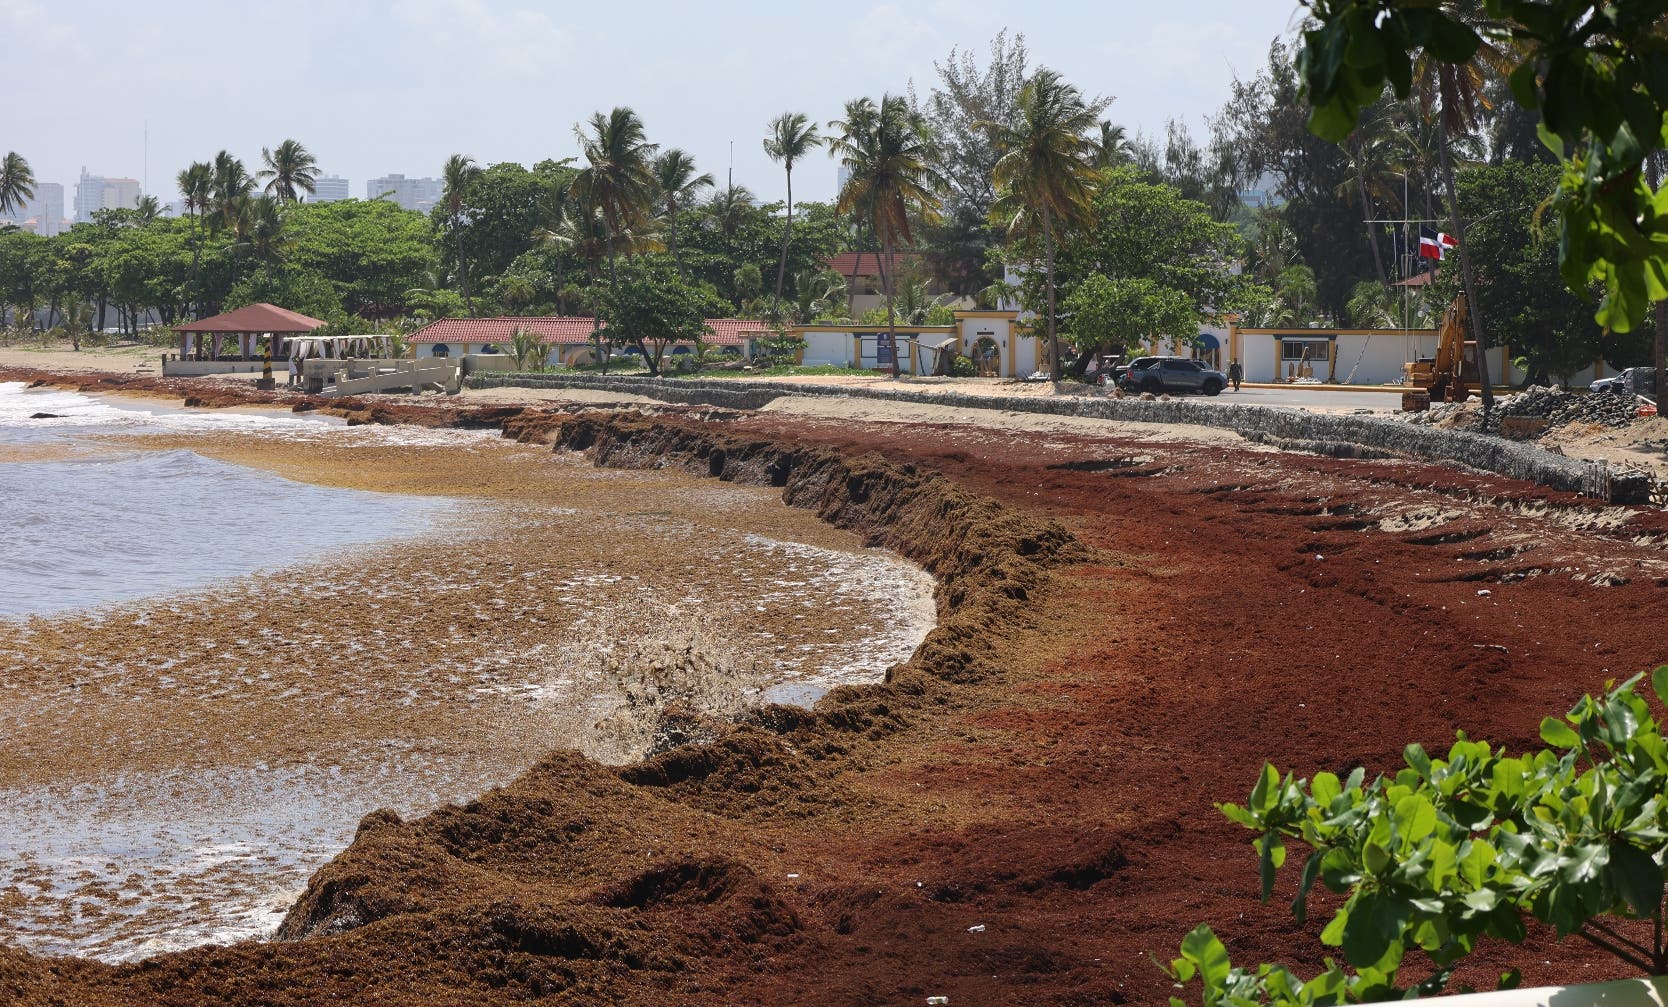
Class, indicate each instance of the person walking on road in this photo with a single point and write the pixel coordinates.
(1236, 373)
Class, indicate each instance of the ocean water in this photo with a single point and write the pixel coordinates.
(98, 524)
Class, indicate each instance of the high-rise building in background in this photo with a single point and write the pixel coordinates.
(43, 213)
(95, 192)
(412, 193)
(329, 189)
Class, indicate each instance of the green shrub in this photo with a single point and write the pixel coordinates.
(1451, 850)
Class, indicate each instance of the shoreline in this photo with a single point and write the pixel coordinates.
(224, 703)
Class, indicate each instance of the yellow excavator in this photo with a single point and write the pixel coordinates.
(1452, 373)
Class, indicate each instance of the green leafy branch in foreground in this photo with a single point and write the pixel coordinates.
(1451, 850)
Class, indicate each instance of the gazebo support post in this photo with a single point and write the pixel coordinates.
(266, 384)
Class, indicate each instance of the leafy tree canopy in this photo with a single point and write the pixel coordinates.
(370, 251)
(1144, 230)
(652, 307)
(1114, 315)
(504, 206)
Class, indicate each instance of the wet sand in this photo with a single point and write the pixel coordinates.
(177, 767)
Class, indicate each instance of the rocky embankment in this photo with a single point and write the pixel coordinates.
(1557, 408)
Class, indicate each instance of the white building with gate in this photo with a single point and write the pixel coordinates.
(1361, 356)
(997, 343)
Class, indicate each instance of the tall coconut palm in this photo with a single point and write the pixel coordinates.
(859, 121)
(17, 182)
(618, 177)
(1452, 91)
(889, 153)
(1043, 175)
(229, 191)
(238, 220)
(290, 170)
(792, 136)
(264, 237)
(459, 176)
(678, 185)
(196, 185)
(1369, 150)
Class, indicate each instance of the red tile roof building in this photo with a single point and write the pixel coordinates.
(563, 330)
(868, 263)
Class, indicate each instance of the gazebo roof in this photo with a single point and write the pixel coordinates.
(254, 318)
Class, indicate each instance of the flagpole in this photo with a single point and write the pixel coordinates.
(1407, 292)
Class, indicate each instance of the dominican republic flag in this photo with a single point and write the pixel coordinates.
(1436, 244)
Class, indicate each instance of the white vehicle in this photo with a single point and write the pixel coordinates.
(1616, 383)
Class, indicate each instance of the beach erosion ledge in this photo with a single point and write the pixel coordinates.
(633, 834)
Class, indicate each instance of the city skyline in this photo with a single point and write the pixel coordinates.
(379, 94)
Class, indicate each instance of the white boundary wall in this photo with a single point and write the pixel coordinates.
(1017, 353)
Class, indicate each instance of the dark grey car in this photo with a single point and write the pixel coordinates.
(1173, 374)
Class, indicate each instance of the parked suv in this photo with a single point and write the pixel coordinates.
(1172, 374)
(1122, 368)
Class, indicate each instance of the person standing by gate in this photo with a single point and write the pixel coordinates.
(1236, 373)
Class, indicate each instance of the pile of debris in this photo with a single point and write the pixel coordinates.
(1444, 414)
(1560, 408)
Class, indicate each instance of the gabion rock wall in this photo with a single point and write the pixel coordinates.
(1287, 427)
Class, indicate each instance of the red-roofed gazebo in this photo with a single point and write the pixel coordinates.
(248, 323)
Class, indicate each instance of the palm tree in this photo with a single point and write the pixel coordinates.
(916, 300)
(17, 182)
(146, 211)
(678, 185)
(292, 170)
(859, 121)
(196, 185)
(618, 179)
(890, 156)
(229, 190)
(792, 136)
(818, 293)
(239, 219)
(1368, 149)
(569, 227)
(1112, 146)
(459, 174)
(1452, 89)
(265, 238)
(1043, 175)
(729, 208)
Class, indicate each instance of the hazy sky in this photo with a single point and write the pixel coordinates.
(380, 86)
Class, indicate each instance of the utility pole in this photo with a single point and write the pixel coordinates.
(1469, 285)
